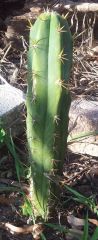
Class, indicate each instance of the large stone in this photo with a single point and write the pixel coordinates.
(11, 109)
(83, 127)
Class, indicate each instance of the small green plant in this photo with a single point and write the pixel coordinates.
(85, 233)
(82, 135)
(2, 135)
(7, 139)
(20, 170)
(95, 234)
(87, 201)
(26, 208)
(48, 101)
(74, 233)
(69, 232)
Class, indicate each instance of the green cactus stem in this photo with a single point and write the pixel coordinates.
(48, 102)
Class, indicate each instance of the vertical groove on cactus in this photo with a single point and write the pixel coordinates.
(48, 102)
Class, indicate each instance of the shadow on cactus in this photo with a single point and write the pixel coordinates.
(48, 101)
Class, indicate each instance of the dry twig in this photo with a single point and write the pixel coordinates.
(79, 7)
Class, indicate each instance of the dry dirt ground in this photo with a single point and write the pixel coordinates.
(80, 172)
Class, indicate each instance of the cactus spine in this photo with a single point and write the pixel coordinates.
(48, 102)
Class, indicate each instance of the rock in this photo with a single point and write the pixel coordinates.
(18, 27)
(11, 109)
(93, 52)
(10, 72)
(83, 127)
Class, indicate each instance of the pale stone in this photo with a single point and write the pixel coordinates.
(83, 127)
(11, 109)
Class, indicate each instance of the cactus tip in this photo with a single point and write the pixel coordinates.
(44, 16)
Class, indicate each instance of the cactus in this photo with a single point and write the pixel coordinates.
(48, 102)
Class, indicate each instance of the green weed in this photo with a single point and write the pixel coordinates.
(87, 201)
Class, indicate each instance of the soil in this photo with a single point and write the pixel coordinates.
(80, 171)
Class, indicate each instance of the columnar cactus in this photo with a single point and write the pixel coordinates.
(48, 102)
